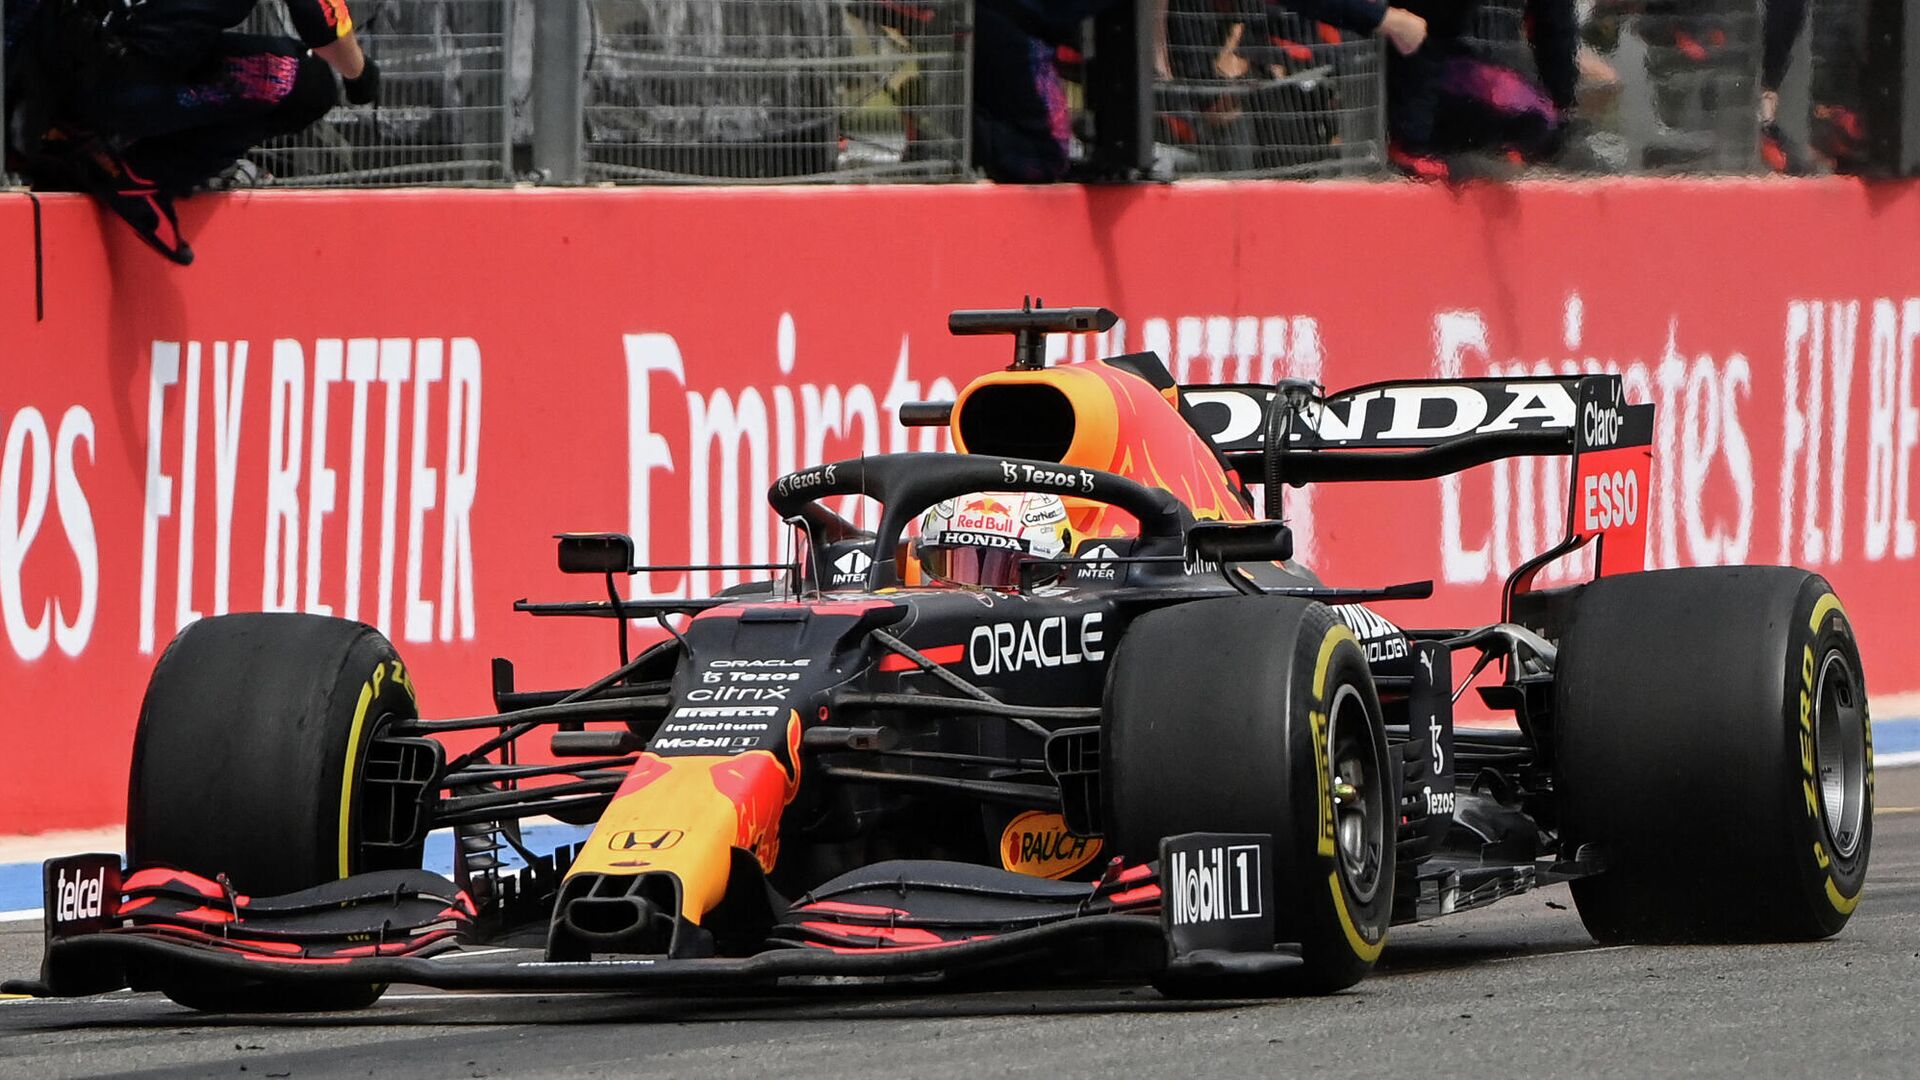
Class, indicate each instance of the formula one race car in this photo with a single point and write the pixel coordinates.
(1069, 710)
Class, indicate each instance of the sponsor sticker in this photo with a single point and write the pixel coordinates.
(82, 893)
(1060, 479)
(1038, 844)
(645, 839)
(1413, 413)
(851, 568)
(957, 538)
(805, 480)
(1380, 639)
(1217, 892)
(738, 693)
(1043, 510)
(712, 744)
(1095, 564)
(1058, 641)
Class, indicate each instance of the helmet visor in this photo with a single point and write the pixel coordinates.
(990, 568)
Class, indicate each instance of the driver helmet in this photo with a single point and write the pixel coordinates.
(982, 540)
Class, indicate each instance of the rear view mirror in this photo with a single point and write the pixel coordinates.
(1225, 542)
(595, 553)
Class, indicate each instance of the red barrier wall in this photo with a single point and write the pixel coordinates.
(382, 405)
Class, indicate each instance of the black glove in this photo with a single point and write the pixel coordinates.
(365, 87)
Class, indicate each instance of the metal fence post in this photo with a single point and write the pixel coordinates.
(6, 120)
(559, 91)
(507, 54)
(1120, 90)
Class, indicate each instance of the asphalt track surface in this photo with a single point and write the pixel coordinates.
(1516, 989)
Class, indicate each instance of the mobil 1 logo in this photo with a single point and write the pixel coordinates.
(1217, 892)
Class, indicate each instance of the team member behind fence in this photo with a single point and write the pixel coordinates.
(1021, 127)
(140, 103)
(1444, 99)
(1784, 20)
(1700, 56)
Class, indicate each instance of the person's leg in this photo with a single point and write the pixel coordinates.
(260, 84)
(243, 99)
(158, 138)
(1487, 106)
(1412, 96)
(1020, 124)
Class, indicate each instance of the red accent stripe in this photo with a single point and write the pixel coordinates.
(850, 909)
(894, 948)
(896, 935)
(203, 914)
(233, 944)
(1135, 896)
(822, 607)
(939, 654)
(162, 878)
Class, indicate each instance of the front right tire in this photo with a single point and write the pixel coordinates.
(1258, 715)
(248, 761)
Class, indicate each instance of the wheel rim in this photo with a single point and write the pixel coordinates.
(1840, 744)
(1359, 795)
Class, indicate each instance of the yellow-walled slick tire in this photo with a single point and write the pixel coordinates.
(1258, 715)
(248, 762)
(1714, 749)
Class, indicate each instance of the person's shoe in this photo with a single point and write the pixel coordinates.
(238, 176)
(150, 212)
(138, 201)
(1417, 164)
(1781, 153)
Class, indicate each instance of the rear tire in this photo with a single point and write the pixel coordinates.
(1683, 758)
(247, 762)
(1248, 714)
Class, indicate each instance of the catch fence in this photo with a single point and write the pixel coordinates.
(445, 111)
(1258, 91)
(494, 92)
(705, 91)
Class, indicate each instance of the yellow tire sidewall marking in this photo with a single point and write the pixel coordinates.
(1843, 903)
(355, 733)
(1367, 951)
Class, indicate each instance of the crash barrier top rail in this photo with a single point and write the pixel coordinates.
(717, 91)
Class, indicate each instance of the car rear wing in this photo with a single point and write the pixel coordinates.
(1412, 429)
(1424, 428)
